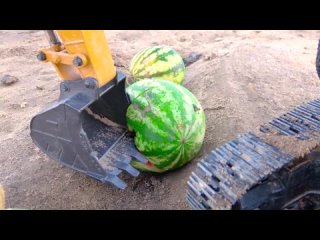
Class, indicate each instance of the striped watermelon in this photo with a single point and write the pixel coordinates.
(168, 121)
(159, 62)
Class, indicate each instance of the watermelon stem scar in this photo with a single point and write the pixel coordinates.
(146, 109)
(196, 108)
(142, 111)
(149, 164)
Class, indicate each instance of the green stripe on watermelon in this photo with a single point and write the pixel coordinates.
(159, 62)
(158, 67)
(144, 54)
(173, 71)
(162, 56)
(137, 57)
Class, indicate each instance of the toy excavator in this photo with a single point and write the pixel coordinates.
(85, 129)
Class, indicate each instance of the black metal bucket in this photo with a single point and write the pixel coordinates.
(68, 132)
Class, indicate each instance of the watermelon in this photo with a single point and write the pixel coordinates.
(158, 62)
(168, 121)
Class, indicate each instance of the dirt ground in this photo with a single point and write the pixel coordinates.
(243, 79)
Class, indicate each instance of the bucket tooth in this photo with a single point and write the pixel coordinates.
(137, 155)
(123, 162)
(115, 181)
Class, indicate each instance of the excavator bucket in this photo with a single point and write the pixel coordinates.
(85, 130)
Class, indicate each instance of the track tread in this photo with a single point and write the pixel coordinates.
(237, 166)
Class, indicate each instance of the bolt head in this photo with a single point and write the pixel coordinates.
(41, 56)
(77, 61)
(64, 88)
(90, 83)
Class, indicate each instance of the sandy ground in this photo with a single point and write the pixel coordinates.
(243, 79)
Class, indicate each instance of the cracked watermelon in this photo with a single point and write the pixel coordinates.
(168, 121)
(156, 63)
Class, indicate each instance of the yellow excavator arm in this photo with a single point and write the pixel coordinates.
(2, 198)
(82, 54)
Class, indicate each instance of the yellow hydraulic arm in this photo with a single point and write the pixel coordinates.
(82, 54)
(2, 199)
